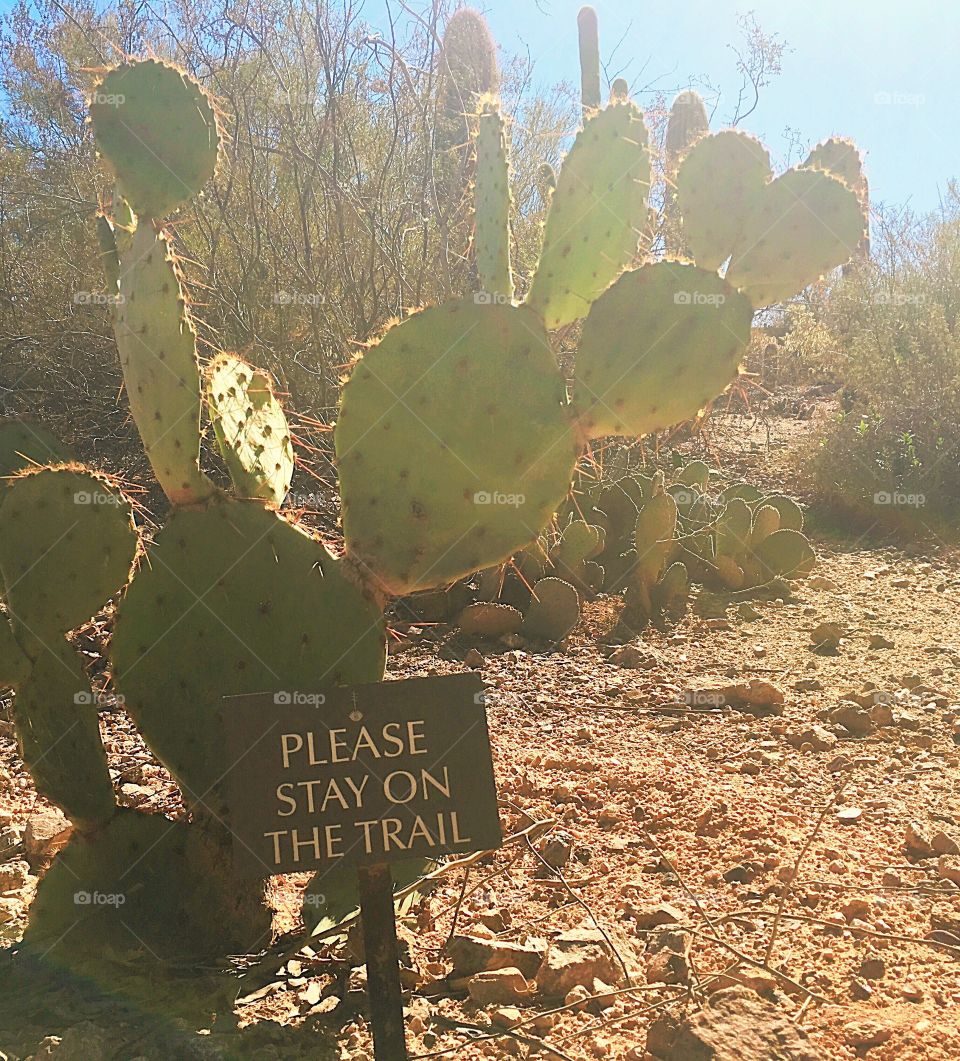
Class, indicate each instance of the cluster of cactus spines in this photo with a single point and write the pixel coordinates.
(251, 428)
(235, 598)
(588, 32)
(687, 123)
(67, 543)
(781, 233)
(492, 204)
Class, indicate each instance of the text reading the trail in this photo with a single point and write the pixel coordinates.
(368, 773)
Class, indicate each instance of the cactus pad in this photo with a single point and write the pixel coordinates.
(766, 520)
(162, 897)
(839, 157)
(791, 514)
(157, 130)
(55, 715)
(663, 341)
(235, 600)
(489, 620)
(780, 235)
(251, 428)
(67, 543)
(14, 665)
(554, 610)
(787, 554)
(589, 58)
(158, 353)
(596, 214)
(492, 204)
(718, 183)
(26, 444)
(808, 223)
(436, 484)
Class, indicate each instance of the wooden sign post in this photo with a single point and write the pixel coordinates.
(363, 775)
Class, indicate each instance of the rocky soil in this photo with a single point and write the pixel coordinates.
(733, 837)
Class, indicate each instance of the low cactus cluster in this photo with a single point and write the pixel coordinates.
(233, 597)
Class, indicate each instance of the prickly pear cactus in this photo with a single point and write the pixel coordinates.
(456, 443)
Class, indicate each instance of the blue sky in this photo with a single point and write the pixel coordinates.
(884, 72)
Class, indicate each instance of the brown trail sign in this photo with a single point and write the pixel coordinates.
(363, 775)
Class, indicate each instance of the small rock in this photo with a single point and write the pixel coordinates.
(873, 968)
(916, 842)
(949, 868)
(866, 1033)
(664, 914)
(499, 987)
(563, 969)
(824, 583)
(849, 815)
(471, 955)
(667, 967)
(911, 992)
(819, 739)
(47, 831)
(838, 763)
(826, 637)
(748, 613)
(854, 719)
(629, 657)
(879, 641)
(14, 875)
(10, 910)
(557, 849)
(808, 685)
(860, 990)
(506, 1017)
(474, 659)
(942, 844)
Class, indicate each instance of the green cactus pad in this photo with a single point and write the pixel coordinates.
(14, 665)
(766, 520)
(746, 491)
(673, 589)
(492, 204)
(596, 214)
(234, 600)
(137, 884)
(554, 610)
(157, 346)
(157, 131)
(579, 541)
(469, 71)
(27, 444)
(839, 157)
(251, 428)
(808, 222)
(67, 543)
(55, 714)
(654, 537)
(489, 620)
(718, 183)
(695, 473)
(786, 554)
(158, 353)
(663, 341)
(434, 486)
(729, 571)
(791, 514)
(733, 528)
